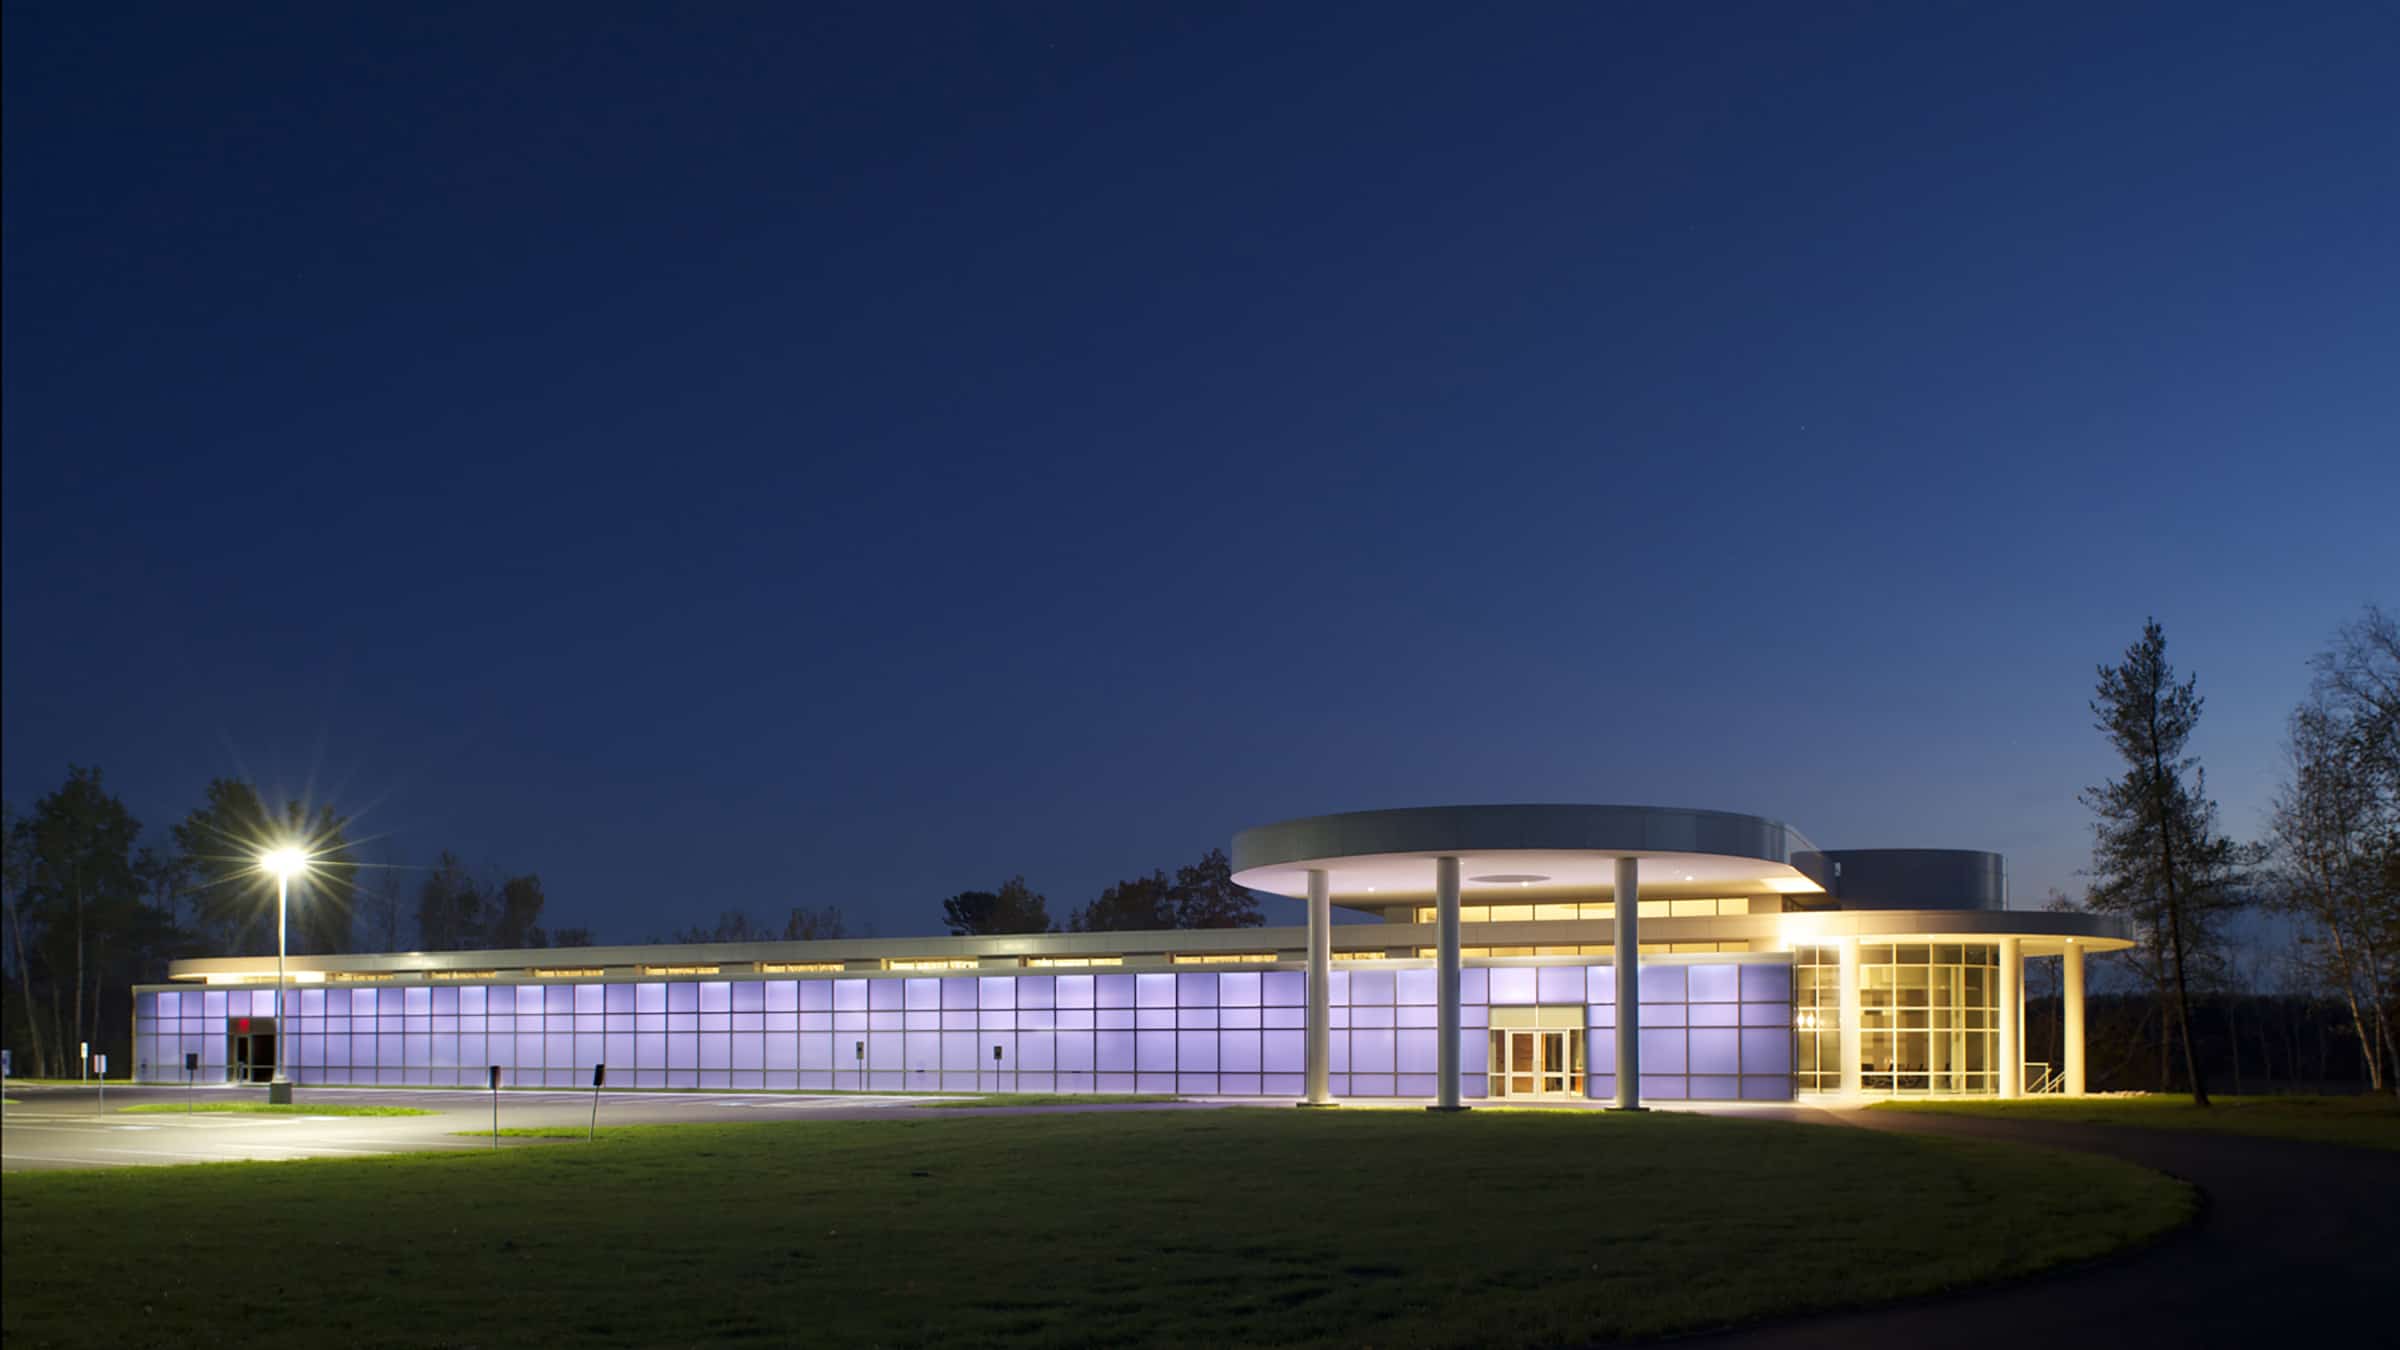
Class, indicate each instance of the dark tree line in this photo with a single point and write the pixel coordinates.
(1201, 895)
(2247, 1040)
(802, 924)
(92, 906)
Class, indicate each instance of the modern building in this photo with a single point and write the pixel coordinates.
(1764, 967)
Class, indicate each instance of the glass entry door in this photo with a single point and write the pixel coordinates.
(250, 1052)
(1536, 1063)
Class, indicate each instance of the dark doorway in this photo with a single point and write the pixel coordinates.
(250, 1050)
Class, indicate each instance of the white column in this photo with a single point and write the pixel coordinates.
(1445, 910)
(1851, 1042)
(1629, 984)
(2012, 974)
(1320, 987)
(2071, 966)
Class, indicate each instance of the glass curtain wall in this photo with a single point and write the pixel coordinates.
(1817, 1019)
(1929, 1017)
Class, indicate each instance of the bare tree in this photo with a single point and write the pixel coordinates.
(382, 910)
(814, 925)
(2336, 825)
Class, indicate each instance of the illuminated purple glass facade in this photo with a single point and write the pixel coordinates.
(1710, 1029)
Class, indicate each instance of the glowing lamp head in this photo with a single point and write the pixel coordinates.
(283, 862)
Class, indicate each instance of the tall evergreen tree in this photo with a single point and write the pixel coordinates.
(1135, 905)
(219, 844)
(82, 898)
(453, 914)
(1014, 908)
(1205, 895)
(517, 913)
(2157, 858)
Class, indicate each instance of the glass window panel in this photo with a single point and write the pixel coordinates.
(1559, 984)
(1663, 1049)
(1714, 983)
(1764, 981)
(1512, 985)
(1371, 987)
(1663, 984)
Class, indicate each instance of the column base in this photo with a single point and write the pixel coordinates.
(1316, 1106)
(1628, 1108)
(279, 1092)
(1447, 1110)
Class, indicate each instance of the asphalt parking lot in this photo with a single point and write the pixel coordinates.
(60, 1127)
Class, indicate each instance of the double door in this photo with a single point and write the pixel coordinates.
(1529, 1062)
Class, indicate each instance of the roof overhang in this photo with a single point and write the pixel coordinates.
(1527, 850)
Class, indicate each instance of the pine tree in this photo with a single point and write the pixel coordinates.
(2157, 858)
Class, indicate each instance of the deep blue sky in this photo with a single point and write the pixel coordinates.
(783, 457)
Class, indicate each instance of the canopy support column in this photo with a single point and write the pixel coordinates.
(1320, 987)
(1628, 976)
(1445, 908)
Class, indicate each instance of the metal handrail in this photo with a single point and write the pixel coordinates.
(2046, 1080)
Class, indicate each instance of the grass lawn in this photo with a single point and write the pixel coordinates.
(267, 1109)
(1048, 1099)
(1176, 1228)
(2365, 1121)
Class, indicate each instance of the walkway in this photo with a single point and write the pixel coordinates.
(2295, 1243)
(63, 1127)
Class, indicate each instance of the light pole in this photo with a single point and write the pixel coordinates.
(283, 862)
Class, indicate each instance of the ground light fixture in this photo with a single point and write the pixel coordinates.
(285, 863)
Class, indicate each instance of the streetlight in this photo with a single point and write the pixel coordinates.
(283, 862)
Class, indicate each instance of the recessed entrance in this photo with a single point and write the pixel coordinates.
(250, 1049)
(1535, 1063)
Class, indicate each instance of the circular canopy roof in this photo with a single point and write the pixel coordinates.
(1521, 849)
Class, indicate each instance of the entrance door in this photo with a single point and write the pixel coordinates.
(250, 1050)
(1536, 1063)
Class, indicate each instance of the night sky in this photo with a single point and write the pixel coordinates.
(766, 456)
